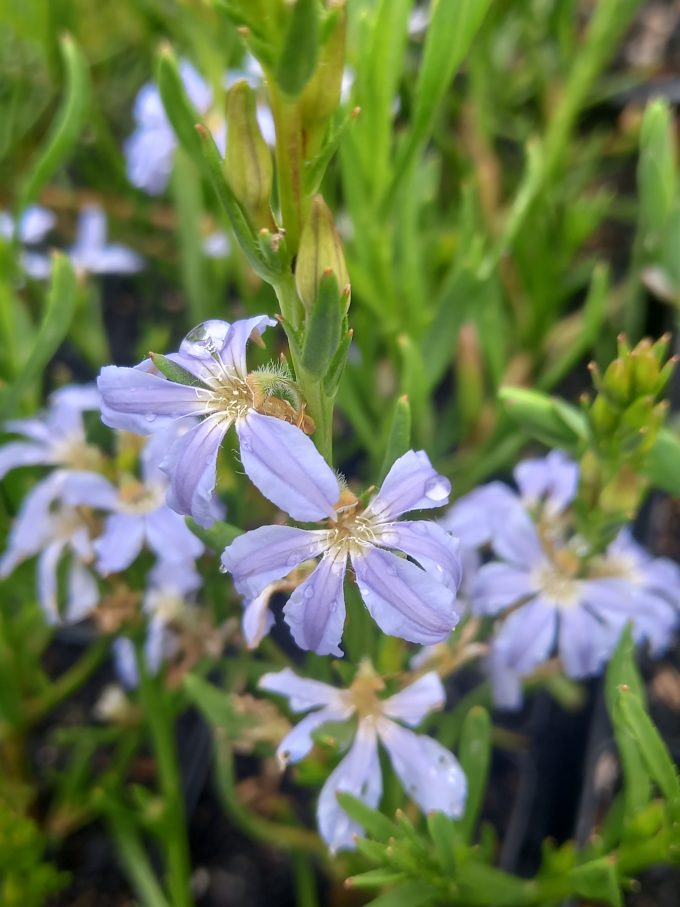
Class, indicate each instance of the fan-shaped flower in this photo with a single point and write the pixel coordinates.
(430, 774)
(412, 600)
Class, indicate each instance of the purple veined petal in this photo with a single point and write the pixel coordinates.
(282, 462)
(124, 662)
(429, 773)
(617, 601)
(35, 223)
(655, 622)
(469, 518)
(179, 577)
(157, 446)
(298, 742)
(32, 528)
(191, 464)
(358, 774)
(169, 537)
(258, 558)
(662, 577)
(233, 352)
(404, 600)
(585, 643)
(83, 593)
(315, 612)
(302, 694)
(515, 539)
(47, 581)
(498, 586)
(526, 638)
(426, 542)
(120, 542)
(133, 391)
(416, 700)
(257, 619)
(552, 479)
(89, 489)
(506, 683)
(19, 453)
(411, 484)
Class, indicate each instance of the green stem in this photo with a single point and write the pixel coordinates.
(135, 860)
(69, 682)
(306, 894)
(282, 836)
(173, 828)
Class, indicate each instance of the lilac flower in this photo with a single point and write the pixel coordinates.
(139, 514)
(31, 229)
(557, 601)
(91, 253)
(166, 605)
(279, 459)
(57, 438)
(429, 773)
(50, 529)
(411, 600)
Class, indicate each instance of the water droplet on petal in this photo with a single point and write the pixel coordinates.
(205, 339)
(246, 445)
(223, 569)
(150, 417)
(363, 590)
(308, 591)
(437, 488)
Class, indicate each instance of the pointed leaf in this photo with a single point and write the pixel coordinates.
(475, 757)
(300, 48)
(324, 324)
(399, 440)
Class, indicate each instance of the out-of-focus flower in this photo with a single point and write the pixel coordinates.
(414, 601)
(57, 438)
(31, 229)
(430, 774)
(150, 150)
(216, 245)
(92, 254)
(139, 514)
(47, 527)
(276, 455)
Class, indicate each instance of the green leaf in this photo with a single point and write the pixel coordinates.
(187, 191)
(315, 168)
(399, 440)
(218, 537)
(213, 703)
(414, 385)
(475, 756)
(324, 326)
(175, 372)
(239, 222)
(300, 48)
(597, 880)
(178, 107)
(332, 377)
(61, 302)
(443, 833)
(654, 753)
(68, 124)
(375, 823)
(485, 886)
(408, 894)
(662, 462)
(551, 421)
(656, 174)
(374, 878)
(453, 26)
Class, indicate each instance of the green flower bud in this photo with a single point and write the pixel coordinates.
(321, 96)
(248, 160)
(320, 251)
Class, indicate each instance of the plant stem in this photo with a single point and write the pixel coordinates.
(135, 860)
(69, 682)
(173, 828)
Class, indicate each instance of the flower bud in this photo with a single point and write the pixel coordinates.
(321, 95)
(248, 160)
(320, 251)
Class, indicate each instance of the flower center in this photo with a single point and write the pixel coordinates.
(556, 585)
(227, 396)
(74, 453)
(137, 498)
(351, 531)
(362, 694)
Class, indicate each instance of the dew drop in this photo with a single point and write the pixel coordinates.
(223, 569)
(437, 488)
(391, 569)
(150, 417)
(363, 590)
(246, 445)
(205, 338)
(308, 591)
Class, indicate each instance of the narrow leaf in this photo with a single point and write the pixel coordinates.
(375, 823)
(175, 372)
(597, 880)
(652, 748)
(475, 758)
(324, 324)
(399, 440)
(300, 48)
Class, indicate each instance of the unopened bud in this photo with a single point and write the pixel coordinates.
(248, 160)
(321, 95)
(320, 251)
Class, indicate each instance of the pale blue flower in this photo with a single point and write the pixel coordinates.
(429, 773)
(92, 254)
(31, 229)
(413, 599)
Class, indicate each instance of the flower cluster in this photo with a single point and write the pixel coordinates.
(551, 591)
(429, 773)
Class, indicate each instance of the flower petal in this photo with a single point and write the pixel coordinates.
(168, 535)
(302, 694)
(191, 464)
(552, 479)
(404, 600)
(19, 453)
(257, 619)
(429, 544)
(411, 484)
(469, 518)
(506, 683)
(585, 643)
(33, 526)
(234, 351)
(88, 489)
(47, 581)
(315, 612)
(120, 542)
(298, 742)
(497, 586)
(527, 636)
(430, 774)
(515, 538)
(137, 393)
(83, 593)
(416, 700)
(358, 774)
(284, 465)
(263, 555)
